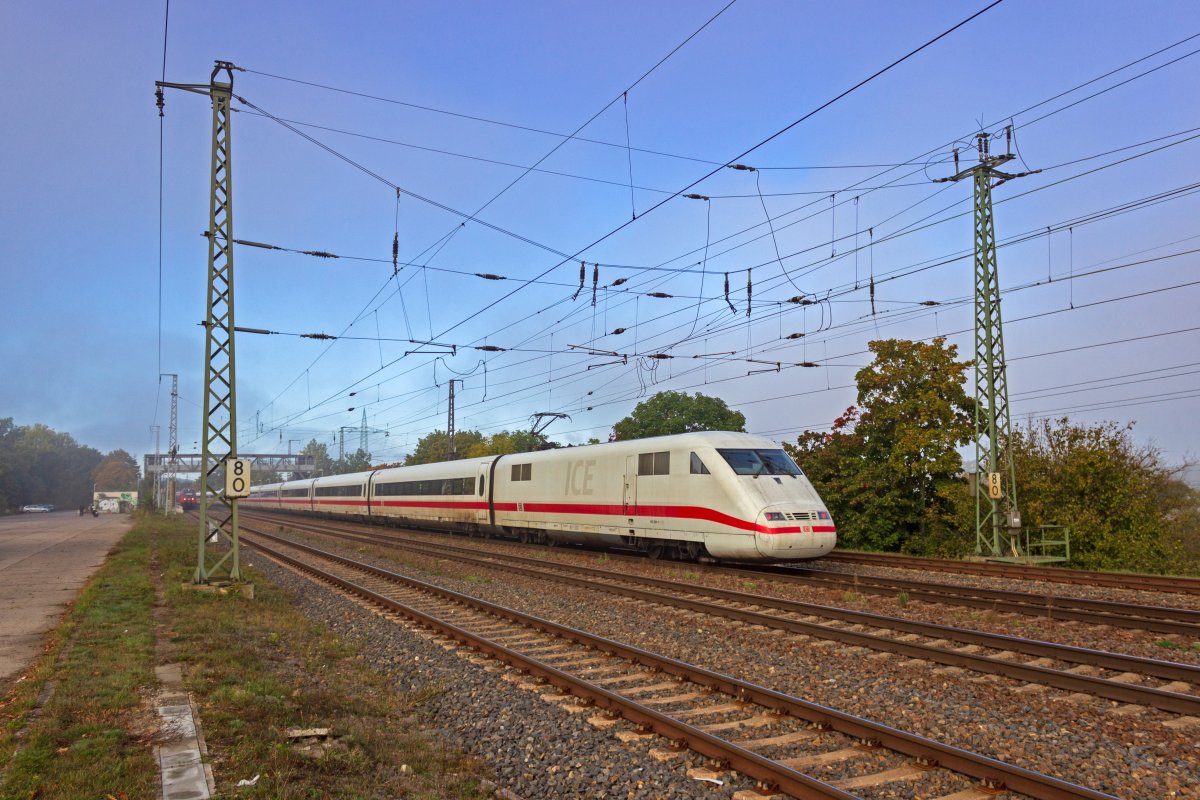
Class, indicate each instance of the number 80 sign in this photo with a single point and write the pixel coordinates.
(237, 477)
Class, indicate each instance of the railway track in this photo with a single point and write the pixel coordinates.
(777, 740)
(1165, 620)
(1135, 616)
(1118, 580)
(1111, 676)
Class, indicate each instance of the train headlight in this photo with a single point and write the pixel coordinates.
(775, 516)
(823, 515)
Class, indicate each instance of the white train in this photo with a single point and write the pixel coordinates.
(729, 496)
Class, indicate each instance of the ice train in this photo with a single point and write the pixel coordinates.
(728, 496)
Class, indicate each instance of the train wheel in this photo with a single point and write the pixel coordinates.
(655, 550)
(523, 537)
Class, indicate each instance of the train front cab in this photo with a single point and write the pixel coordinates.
(790, 520)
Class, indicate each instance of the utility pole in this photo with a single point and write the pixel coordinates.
(156, 429)
(218, 513)
(997, 515)
(172, 440)
(450, 451)
(362, 435)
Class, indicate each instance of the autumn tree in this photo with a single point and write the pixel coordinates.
(670, 412)
(890, 469)
(118, 472)
(432, 447)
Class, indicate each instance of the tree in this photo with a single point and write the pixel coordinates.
(358, 461)
(1126, 510)
(889, 470)
(322, 463)
(678, 412)
(506, 442)
(432, 447)
(118, 472)
(40, 465)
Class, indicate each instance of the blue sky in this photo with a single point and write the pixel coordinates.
(79, 336)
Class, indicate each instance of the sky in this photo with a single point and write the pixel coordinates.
(453, 102)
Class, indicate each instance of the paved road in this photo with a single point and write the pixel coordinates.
(44, 561)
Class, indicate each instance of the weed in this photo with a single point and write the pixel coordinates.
(851, 597)
(749, 586)
(902, 599)
(1169, 644)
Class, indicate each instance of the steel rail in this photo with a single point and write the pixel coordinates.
(1116, 661)
(1107, 612)
(1156, 619)
(1122, 580)
(1174, 702)
(992, 772)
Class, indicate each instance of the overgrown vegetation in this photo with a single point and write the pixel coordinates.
(256, 668)
(892, 476)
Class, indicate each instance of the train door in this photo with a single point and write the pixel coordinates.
(629, 495)
(481, 495)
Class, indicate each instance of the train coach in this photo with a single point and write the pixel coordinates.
(731, 496)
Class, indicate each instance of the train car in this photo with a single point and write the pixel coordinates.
(719, 495)
(264, 497)
(189, 500)
(296, 495)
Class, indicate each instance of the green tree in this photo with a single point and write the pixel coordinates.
(890, 469)
(322, 463)
(118, 472)
(506, 442)
(40, 465)
(1125, 508)
(670, 412)
(432, 448)
(358, 461)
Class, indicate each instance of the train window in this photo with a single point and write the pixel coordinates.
(760, 462)
(295, 492)
(698, 467)
(354, 490)
(522, 472)
(654, 463)
(426, 487)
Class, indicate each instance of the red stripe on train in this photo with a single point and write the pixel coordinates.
(670, 512)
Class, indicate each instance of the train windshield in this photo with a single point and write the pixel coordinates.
(760, 462)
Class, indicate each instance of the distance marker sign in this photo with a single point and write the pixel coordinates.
(237, 477)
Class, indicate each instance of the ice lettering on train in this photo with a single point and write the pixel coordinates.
(579, 477)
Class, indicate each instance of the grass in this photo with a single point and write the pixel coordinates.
(255, 668)
(93, 736)
(1171, 644)
(902, 599)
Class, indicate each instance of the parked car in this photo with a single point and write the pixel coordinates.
(36, 508)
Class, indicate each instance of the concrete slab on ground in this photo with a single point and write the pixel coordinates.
(44, 561)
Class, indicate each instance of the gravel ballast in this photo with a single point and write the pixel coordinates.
(1131, 755)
